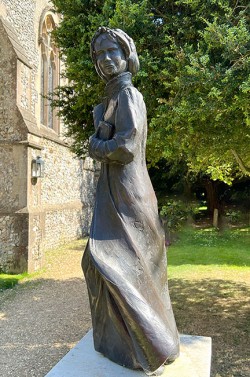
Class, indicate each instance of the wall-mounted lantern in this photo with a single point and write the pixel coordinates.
(37, 168)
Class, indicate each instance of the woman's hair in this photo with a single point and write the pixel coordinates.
(126, 43)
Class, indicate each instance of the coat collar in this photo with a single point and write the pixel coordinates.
(115, 85)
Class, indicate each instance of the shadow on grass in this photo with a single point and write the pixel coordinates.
(218, 309)
(209, 257)
(9, 281)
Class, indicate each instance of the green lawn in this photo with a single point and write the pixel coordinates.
(206, 253)
(209, 278)
(9, 281)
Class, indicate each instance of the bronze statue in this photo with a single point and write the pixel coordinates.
(125, 259)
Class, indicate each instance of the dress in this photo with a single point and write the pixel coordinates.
(124, 262)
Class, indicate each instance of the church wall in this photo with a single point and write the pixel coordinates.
(35, 214)
(13, 242)
(13, 198)
(61, 195)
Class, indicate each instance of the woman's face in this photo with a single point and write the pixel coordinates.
(110, 58)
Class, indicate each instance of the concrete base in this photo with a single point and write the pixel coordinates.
(84, 361)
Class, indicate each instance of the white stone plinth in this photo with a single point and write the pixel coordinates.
(84, 361)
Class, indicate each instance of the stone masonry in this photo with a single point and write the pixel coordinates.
(35, 213)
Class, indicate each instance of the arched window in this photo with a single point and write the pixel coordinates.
(49, 71)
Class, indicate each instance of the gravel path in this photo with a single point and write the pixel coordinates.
(42, 318)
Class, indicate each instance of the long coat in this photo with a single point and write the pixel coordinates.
(125, 259)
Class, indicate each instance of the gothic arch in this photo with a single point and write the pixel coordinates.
(50, 67)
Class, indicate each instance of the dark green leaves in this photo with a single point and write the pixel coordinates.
(194, 76)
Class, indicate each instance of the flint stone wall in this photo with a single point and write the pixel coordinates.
(34, 214)
(13, 243)
(67, 194)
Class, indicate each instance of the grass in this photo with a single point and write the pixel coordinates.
(208, 246)
(9, 281)
(207, 253)
(209, 278)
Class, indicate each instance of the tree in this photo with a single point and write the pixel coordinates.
(194, 76)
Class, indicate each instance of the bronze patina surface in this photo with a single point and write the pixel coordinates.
(125, 259)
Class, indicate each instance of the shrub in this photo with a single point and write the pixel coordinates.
(175, 213)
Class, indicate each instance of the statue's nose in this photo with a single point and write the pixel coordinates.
(106, 56)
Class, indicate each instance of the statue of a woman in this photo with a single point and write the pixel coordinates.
(125, 259)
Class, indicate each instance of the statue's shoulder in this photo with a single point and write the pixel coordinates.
(130, 93)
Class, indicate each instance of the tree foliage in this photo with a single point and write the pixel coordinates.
(195, 65)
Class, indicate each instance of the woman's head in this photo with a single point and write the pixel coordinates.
(113, 52)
